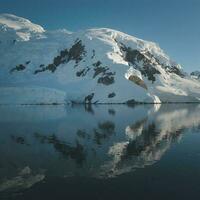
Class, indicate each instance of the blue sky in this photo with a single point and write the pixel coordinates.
(174, 24)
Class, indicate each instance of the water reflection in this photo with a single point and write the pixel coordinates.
(101, 141)
(74, 152)
(24, 180)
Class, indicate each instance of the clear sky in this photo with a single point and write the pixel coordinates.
(174, 24)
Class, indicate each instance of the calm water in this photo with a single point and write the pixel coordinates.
(101, 152)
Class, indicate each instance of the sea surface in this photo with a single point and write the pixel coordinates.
(100, 152)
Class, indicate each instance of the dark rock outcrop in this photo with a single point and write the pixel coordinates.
(76, 53)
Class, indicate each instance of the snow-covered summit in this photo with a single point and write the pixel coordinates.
(23, 28)
(19, 23)
(110, 36)
(98, 65)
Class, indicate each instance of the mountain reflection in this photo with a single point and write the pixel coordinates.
(99, 141)
(140, 150)
(76, 153)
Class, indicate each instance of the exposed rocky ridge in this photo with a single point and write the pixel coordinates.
(76, 53)
(195, 74)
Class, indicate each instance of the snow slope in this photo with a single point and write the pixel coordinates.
(91, 66)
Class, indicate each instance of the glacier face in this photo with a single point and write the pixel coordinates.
(90, 66)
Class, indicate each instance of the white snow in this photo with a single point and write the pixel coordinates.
(19, 23)
(23, 42)
(31, 95)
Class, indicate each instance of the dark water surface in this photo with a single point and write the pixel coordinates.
(100, 152)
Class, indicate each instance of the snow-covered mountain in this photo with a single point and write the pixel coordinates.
(91, 66)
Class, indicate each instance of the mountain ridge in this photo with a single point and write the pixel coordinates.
(98, 65)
